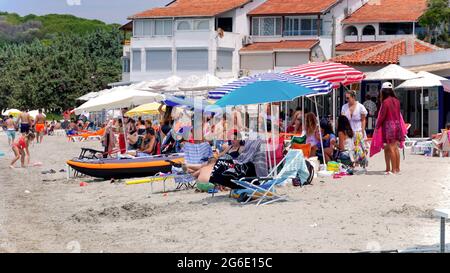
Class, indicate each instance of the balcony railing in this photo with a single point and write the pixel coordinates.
(302, 32)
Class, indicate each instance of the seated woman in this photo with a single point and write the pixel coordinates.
(297, 127)
(148, 144)
(232, 150)
(311, 132)
(328, 140)
(344, 153)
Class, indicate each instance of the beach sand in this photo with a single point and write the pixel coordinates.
(48, 213)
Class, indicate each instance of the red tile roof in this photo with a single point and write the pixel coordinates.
(287, 45)
(191, 8)
(278, 7)
(353, 46)
(388, 11)
(385, 53)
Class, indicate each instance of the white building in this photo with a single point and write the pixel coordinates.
(182, 38)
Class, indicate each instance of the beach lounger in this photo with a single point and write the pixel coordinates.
(262, 190)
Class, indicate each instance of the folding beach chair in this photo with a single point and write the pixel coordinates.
(263, 189)
(442, 145)
(193, 154)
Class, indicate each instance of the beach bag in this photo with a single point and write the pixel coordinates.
(311, 171)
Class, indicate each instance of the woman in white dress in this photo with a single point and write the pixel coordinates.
(356, 113)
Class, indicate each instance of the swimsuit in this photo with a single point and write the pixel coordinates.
(40, 127)
(21, 144)
(11, 133)
(24, 128)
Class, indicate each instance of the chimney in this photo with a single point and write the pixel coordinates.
(410, 46)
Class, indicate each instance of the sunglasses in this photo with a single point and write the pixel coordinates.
(347, 98)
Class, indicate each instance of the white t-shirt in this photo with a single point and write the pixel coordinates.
(355, 119)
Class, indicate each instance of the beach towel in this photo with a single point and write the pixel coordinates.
(254, 153)
(197, 153)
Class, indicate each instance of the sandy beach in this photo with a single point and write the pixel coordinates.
(48, 213)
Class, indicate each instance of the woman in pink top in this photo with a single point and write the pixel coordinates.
(390, 122)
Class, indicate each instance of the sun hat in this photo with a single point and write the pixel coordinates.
(386, 85)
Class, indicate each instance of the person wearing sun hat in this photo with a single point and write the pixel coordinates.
(391, 124)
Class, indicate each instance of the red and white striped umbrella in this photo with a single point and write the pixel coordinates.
(336, 73)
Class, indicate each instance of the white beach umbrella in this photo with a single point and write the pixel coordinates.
(391, 72)
(88, 96)
(14, 112)
(206, 82)
(121, 97)
(426, 80)
(34, 113)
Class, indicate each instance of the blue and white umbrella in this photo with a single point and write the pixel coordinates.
(316, 85)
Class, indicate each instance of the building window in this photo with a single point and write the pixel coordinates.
(201, 24)
(158, 60)
(136, 55)
(147, 27)
(351, 31)
(163, 27)
(396, 28)
(138, 28)
(184, 25)
(296, 26)
(224, 60)
(192, 60)
(368, 30)
(126, 64)
(266, 26)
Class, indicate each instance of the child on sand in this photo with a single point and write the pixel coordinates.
(20, 149)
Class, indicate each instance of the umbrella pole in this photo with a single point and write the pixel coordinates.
(273, 139)
(124, 132)
(285, 117)
(320, 131)
(422, 103)
(267, 145)
(303, 113)
(334, 109)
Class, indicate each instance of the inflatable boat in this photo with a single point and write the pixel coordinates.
(120, 168)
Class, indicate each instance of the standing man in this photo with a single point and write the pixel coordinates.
(24, 122)
(10, 130)
(40, 126)
(371, 108)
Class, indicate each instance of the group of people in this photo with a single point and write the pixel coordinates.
(349, 142)
(29, 128)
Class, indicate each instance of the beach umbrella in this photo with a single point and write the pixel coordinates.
(270, 87)
(145, 109)
(273, 87)
(336, 73)
(88, 96)
(425, 80)
(391, 72)
(121, 97)
(34, 113)
(13, 112)
(206, 82)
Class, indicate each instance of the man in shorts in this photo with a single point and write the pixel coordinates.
(10, 130)
(24, 121)
(40, 126)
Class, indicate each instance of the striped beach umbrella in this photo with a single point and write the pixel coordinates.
(336, 73)
(315, 86)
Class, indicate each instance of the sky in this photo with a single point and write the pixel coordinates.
(109, 11)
